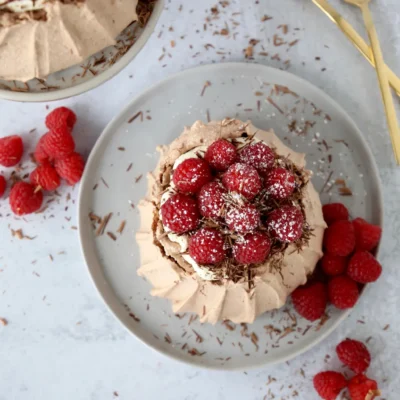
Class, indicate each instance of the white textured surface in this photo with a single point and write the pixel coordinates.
(61, 342)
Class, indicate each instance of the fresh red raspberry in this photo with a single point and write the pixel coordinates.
(40, 153)
(70, 168)
(333, 265)
(280, 183)
(329, 384)
(362, 388)
(364, 268)
(61, 117)
(3, 185)
(335, 212)
(310, 301)
(354, 354)
(207, 246)
(59, 143)
(46, 177)
(24, 199)
(367, 235)
(343, 292)
(242, 179)
(211, 200)
(180, 213)
(339, 238)
(243, 219)
(258, 155)
(11, 150)
(286, 224)
(191, 175)
(221, 154)
(253, 248)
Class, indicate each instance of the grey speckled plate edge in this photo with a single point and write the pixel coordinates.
(98, 277)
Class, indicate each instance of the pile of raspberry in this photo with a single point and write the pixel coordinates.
(55, 157)
(347, 265)
(235, 203)
(354, 355)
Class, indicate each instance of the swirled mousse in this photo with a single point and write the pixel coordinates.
(39, 37)
(231, 224)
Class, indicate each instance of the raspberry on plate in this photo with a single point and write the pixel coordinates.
(24, 199)
(191, 175)
(362, 388)
(243, 219)
(340, 239)
(180, 213)
(286, 223)
(310, 301)
(59, 143)
(211, 200)
(354, 354)
(280, 183)
(364, 267)
(343, 292)
(242, 179)
(70, 168)
(367, 235)
(3, 185)
(40, 153)
(11, 150)
(253, 248)
(221, 155)
(333, 265)
(258, 155)
(207, 246)
(329, 384)
(46, 177)
(335, 212)
(61, 117)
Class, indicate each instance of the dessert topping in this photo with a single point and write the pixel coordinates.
(259, 155)
(253, 248)
(286, 223)
(191, 175)
(207, 246)
(243, 219)
(211, 200)
(221, 155)
(280, 183)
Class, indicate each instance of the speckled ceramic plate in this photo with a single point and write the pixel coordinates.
(94, 71)
(114, 182)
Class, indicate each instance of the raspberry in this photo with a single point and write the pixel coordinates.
(286, 223)
(211, 200)
(310, 301)
(335, 212)
(221, 154)
(11, 150)
(191, 175)
(354, 354)
(40, 154)
(280, 183)
(59, 143)
(258, 155)
(180, 213)
(242, 179)
(362, 388)
(61, 117)
(70, 168)
(46, 177)
(3, 185)
(333, 265)
(343, 292)
(364, 268)
(243, 219)
(340, 239)
(252, 248)
(367, 235)
(24, 199)
(329, 384)
(207, 246)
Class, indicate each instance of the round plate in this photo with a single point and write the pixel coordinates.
(115, 180)
(94, 71)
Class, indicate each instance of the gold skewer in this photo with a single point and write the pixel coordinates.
(356, 39)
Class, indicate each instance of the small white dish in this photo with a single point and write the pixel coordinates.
(302, 116)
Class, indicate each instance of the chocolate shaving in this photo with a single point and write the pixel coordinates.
(206, 85)
(138, 114)
(134, 317)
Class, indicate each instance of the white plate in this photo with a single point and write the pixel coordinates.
(79, 78)
(236, 90)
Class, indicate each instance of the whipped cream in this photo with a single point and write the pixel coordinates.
(22, 5)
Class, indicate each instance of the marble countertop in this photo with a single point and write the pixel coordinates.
(61, 342)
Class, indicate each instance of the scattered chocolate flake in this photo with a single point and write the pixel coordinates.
(134, 317)
(138, 178)
(326, 182)
(192, 318)
(51, 257)
(219, 341)
(95, 186)
(167, 338)
(285, 28)
(278, 41)
(180, 316)
(19, 234)
(111, 235)
(121, 148)
(138, 114)
(228, 325)
(254, 340)
(105, 183)
(248, 52)
(322, 321)
(345, 191)
(386, 327)
(258, 105)
(206, 85)
(294, 42)
(100, 230)
(195, 352)
(342, 141)
(265, 18)
(199, 339)
(173, 44)
(115, 394)
(204, 310)
(95, 218)
(121, 227)
(208, 115)
(129, 167)
(3, 322)
(259, 94)
(274, 104)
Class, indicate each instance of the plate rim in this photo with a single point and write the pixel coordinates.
(109, 130)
